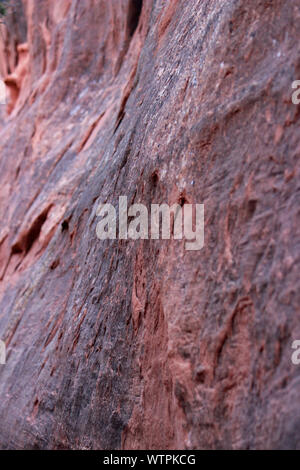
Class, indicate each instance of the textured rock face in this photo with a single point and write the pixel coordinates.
(142, 344)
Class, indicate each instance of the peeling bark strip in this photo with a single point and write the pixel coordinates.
(143, 344)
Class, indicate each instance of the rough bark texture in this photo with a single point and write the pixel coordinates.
(142, 344)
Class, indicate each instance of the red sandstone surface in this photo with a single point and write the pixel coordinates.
(141, 344)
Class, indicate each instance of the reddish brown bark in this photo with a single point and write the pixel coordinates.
(123, 344)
